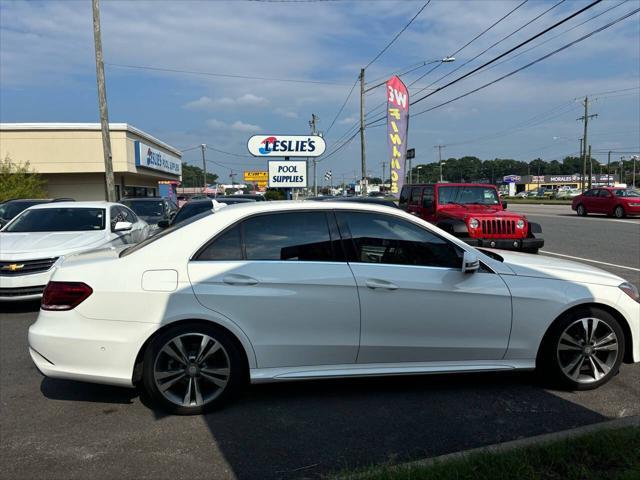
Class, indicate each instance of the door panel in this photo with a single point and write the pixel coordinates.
(432, 314)
(294, 313)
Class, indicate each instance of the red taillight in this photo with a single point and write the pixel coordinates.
(64, 295)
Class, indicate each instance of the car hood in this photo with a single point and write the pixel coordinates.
(477, 211)
(31, 245)
(542, 266)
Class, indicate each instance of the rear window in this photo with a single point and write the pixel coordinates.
(146, 208)
(58, 220)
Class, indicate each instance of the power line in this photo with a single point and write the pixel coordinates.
(342, 107)
(397, 35)
(472, 40)
(564, 47)
(224, 75)
(494, 44)
(554, 37)
(520, 45)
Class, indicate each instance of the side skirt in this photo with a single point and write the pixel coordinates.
(309, 372)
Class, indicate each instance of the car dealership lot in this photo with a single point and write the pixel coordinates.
(75, 430)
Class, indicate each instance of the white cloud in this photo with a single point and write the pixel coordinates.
(346, 121)
(208, 103)
(237, 126)
(283, 112)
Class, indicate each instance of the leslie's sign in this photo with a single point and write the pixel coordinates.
(155, 159)
(286, 146)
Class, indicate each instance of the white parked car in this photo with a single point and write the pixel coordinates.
(275, 291)
(36, 241)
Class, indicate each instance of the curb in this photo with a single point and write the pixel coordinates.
(632, 421)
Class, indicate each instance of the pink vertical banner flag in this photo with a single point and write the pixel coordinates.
(397, 129)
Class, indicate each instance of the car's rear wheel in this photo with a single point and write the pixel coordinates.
(580, 210)
(618, 212)
(583, 350)
(192, 369)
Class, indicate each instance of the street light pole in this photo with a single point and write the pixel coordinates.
(204, 168)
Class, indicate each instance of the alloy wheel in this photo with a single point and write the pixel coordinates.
(587, 350)
(191, 369)
(618, 212)
(581, 211)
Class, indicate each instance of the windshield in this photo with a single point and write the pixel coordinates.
(189, 211)
(146, 208)
(620, 193)
(163, 233)
(11, 209)
(468, 195)
(58, 220)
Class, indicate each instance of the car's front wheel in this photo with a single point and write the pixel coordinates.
(583, 350)
(618, 212)
(192, 369)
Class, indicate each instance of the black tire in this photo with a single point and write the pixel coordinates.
(581, 211)
(619, 212)
(191, 375)
(533, 251)
(554, 353)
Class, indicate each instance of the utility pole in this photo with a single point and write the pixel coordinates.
(313, 125)
(204, 168)
(109, 181)
(585, 118)
(608, 167)
(363, 157)
(440, 147)
(590, 168)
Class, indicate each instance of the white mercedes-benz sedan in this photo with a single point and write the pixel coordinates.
(276, 291)
(35, 242)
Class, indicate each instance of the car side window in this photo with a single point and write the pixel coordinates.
(590, 193)
(416, 194)
(226, 246)
(117, 215)
(404, 197)
(128, 215)
(295, 236)
(427, 198)
(379, 238)
(604, 194)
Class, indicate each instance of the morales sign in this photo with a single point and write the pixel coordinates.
(154, 159)
(286, 146)
(397, 126)
(287, 174)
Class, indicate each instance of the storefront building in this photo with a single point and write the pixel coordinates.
(525, 183)
(69, 157)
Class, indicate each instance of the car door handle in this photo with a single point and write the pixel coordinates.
(374, 283)
(234, 279)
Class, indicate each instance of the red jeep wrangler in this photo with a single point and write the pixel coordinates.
(474, 213)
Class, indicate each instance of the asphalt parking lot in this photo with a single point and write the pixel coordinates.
(63, 429)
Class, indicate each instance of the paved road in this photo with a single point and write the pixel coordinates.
(63, 429)
(595, 237)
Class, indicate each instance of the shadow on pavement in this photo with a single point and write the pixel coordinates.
(56, 389)
(308, 429)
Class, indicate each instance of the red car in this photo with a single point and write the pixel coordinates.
(617, 202)
(474, 213)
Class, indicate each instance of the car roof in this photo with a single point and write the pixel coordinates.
(73, 205)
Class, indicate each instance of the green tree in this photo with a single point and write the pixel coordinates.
(192, 176)
(17, 180)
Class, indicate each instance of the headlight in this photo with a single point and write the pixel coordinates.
(634, 204)
(630, 290)
(474, 223)
(520, 224)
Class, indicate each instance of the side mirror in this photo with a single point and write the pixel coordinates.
(122, 226)
(504, 205)
(470, 262)
(163, 223)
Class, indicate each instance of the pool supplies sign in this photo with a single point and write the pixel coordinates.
(287, 174)
(149, 157)
(286, 145)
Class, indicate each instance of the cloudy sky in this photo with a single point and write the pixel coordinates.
(47, 73)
